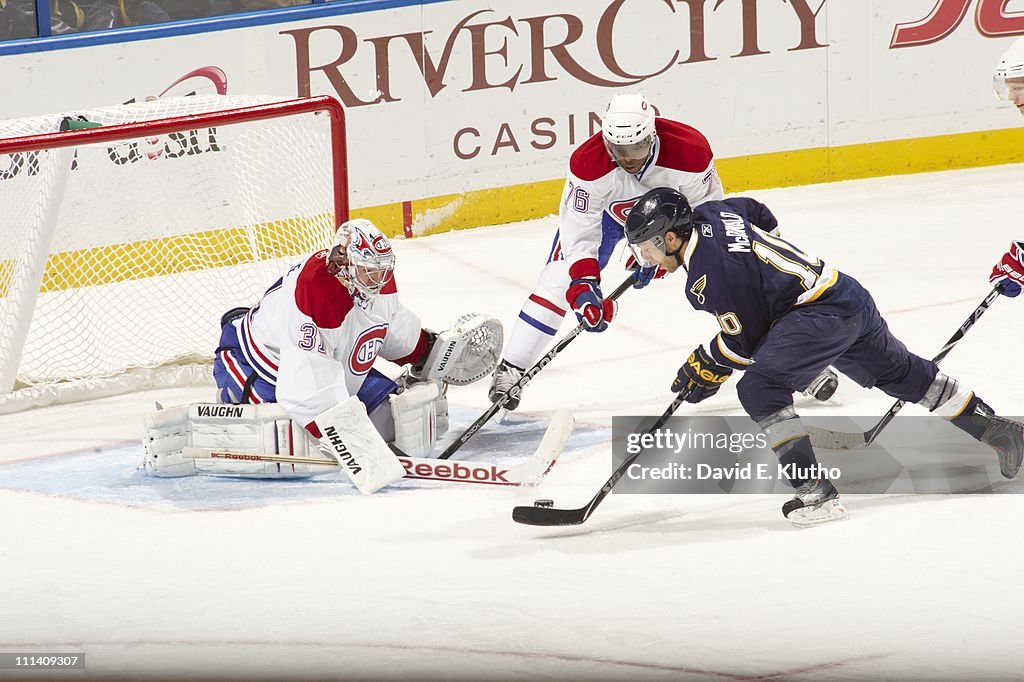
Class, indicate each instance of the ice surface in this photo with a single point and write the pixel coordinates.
(262, 579)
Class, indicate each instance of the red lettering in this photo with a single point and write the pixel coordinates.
(548, 134)
(479, 54)
(303, 69)
(423, 470)
(749, 29)
(433, 74)
(943, 20)
(697, 51)
(808, 34)
(443, 470)
(505, 138)
(464, 155)
(606, 45)
(574, 31)
(992, 19)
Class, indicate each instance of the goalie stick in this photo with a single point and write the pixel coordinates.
(528, 473)
(549, 516)
(523, 380)
(843, 440)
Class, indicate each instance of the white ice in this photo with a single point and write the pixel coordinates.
(437, 582)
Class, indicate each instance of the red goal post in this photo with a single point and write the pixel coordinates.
(125, 238)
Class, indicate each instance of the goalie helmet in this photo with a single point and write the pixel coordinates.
(1008, 81)
(628, 131)
(361, 258)
(655, 213)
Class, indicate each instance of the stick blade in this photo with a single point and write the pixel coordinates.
(551, 446)
(548, 516)
(836, 440)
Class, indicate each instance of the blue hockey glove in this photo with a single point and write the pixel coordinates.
(644, 274)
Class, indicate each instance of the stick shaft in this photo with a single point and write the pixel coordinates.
(523, 380)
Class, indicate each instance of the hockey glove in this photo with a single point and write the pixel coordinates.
(1008, 273)
(590, 306)
(643, 274)
(701, 375)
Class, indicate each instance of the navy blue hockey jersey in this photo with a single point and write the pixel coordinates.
(749, 278)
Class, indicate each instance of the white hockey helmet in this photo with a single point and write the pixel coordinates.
(361, 257)
(628, 130)
(1008, 81)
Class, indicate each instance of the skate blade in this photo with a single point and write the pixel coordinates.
(833, 510)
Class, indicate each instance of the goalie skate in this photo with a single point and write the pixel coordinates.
(815, 502)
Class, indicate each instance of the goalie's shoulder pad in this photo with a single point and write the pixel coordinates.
(467, 352)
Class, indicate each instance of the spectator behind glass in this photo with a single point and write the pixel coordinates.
(190, 9)
(17, 19)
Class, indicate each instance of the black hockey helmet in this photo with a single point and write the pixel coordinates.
(655, 213)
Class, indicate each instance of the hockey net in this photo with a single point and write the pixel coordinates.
(127, 236)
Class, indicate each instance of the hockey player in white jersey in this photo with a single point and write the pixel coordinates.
(1008, 81)
(297, 371)
(634, 152)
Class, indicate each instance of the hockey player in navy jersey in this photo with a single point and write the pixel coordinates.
(785, 315)
(634, 152)
(299, 364)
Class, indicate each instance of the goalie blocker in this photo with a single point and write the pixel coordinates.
(415, 416)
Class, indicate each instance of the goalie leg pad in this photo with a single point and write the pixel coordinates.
(348, 435)
(167, 432)
(242, 428)
(415, 416)
(467, 352)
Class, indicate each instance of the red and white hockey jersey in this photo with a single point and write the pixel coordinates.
(596, 185)
(316, 342)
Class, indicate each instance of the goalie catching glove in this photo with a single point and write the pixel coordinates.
(467, 352)
(701, 375)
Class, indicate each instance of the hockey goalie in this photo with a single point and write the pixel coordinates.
(295, 374)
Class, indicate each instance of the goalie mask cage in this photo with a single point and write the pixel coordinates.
(124, 239)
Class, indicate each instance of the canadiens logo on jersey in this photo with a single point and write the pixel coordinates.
(366, 348)
(620, 209)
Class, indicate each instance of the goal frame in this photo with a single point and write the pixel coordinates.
(31, 279)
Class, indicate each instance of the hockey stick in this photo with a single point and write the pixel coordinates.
(843, 440)
(528, 473)
(549, 516)
(523, 380)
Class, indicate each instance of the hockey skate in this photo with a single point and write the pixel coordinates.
(505, 377)
(1006, 437)
(815, 502)
(824, 385)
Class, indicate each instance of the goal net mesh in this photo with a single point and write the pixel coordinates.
(122, 256)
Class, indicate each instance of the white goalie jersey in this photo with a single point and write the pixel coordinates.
(315, 342)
